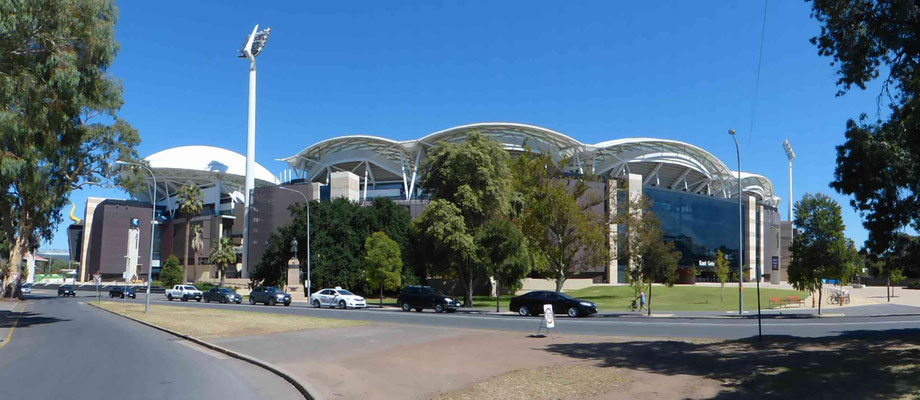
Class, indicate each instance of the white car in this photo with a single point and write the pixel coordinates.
(337, 297)
(27, 288)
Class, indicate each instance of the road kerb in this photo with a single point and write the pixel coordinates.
(300, 386)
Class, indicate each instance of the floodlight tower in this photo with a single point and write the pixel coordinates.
(791, 156)
(255, 42)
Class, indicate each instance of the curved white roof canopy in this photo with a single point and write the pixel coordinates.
(662, 162)
(203, 165)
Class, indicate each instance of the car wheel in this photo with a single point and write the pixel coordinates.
(223, 300)
(524, 311)
(169, 297)
(239, 301)
(208, 300)
(270, 302)
(405, 307)
(438, 308)
(342, 304)
(185, 299)
(252, 300)
(199, 299)
(573, 312)
(122, 295)
(418, 309)
(315, 303)
(287, 303)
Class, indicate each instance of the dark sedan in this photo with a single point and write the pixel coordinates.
(532, 304)
(222, 295)
(66, 290)
(122, 292)
(269, 296)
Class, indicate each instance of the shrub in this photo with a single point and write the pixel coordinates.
(172, 273)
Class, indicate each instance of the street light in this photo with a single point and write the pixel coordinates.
(307, 283)
(153, 221)
(254, 45)
(740, 231)
(791, 156)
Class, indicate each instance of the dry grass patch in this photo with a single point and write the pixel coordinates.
(209, 322)
(552, 382)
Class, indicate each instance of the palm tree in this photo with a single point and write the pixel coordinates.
(223, 254)
(197, 243)
(190, 204)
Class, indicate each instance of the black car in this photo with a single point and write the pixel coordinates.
(532, 304)
(422, 297)
(66, 290)
(269, 296)
(122, 292)
(222, 295)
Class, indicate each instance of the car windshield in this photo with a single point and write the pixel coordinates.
(564, 296)
(435, 292)
(190, 288)
(226, 291)
(345, 293)
(270, 289)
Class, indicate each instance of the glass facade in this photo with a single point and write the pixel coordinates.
(698, 226)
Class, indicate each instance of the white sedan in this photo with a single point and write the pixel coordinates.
(337, 297)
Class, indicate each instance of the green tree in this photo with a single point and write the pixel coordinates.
(722, 271)
(384, 262)
(469, 183)
(223, 254)
(503, 250)
(658, 259)
(189, 197)
(559, 217)
(172, 273)
(819, 250)
(878, 165)
(59, 123)
(451, 243)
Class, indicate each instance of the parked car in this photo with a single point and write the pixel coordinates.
(269, 296)
(422, 297)
(337, 297)
(26, 288)
(66, 290)
(184, 293)
(121, 291)
(532, 304)
(222, 295)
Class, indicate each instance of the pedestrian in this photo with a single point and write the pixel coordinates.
(642, 300)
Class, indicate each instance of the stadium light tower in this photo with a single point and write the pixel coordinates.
(255, 42)
(791, 156)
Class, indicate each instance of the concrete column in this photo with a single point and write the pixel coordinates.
(750, 245)
(293, 277)
(612, 265)
(635, 193)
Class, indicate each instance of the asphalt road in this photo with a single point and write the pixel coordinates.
(64, 349)
(611, 324)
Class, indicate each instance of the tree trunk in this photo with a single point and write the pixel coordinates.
(722, 294)
(649, 305)
(468, 292)
(381, 294)
(185, 249)
(560, 280)
(888, 287)
(498, 296)
(820, 295)
(841, 293)
(223, 273)
(11, 287)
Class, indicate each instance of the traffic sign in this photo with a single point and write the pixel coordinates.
(126, 275)
(548, 316)
(97, 278)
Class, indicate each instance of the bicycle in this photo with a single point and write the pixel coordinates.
(834, 297)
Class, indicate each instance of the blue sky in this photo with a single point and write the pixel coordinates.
(593, 70)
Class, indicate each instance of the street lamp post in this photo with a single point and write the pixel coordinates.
(740, 231)
(307, 202)
(255, 42)
(153, 221)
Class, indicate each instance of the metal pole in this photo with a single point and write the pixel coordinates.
(250, 161)
(740, 231)
(153, 220)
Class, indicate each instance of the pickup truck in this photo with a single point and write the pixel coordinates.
(183, 292)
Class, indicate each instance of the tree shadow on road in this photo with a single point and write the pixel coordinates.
(854, 365)
(26, 319)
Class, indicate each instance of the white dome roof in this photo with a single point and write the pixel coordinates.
(208, 159)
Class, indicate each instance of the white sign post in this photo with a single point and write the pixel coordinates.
(549, 318)
(126, 275)
(97, 278)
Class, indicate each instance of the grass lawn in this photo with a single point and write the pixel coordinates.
(206, 322)
(682, 298)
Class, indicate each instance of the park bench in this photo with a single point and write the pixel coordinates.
(795, 300)
(776, 301)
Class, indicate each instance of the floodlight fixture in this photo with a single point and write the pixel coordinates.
(255, 42)
(788, 147)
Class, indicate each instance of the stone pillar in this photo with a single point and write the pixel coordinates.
(613, 264)
(293, 277)
(750, 245)
(345, 184)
